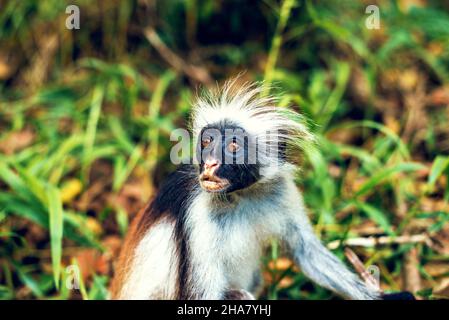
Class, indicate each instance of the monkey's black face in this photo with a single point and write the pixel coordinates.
(227, 157)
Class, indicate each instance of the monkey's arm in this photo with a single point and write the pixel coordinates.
(323, 267)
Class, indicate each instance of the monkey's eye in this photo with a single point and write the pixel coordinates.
(206, 142)
(233, 147)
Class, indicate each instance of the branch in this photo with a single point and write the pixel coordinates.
(360, 268)
(373, 241)
(197, 73)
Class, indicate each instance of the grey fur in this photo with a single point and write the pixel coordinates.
(274, 209)
(324, 268)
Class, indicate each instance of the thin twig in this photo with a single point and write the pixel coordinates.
(360, 268)
(373, 241)
(410, 271)
(197, 73)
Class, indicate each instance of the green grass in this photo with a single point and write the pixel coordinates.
(85, 140)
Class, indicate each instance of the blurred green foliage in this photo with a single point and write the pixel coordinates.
(86, 116)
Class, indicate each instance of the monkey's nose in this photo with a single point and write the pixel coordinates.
(211, 164)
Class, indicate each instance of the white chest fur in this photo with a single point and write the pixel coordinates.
(153, 266)
(226, 244)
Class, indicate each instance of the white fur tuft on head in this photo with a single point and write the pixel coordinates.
(244, 105)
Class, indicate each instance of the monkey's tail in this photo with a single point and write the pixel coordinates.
(319, 264)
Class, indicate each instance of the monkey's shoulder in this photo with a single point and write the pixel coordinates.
(174, 195)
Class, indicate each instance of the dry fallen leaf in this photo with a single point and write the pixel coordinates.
(442, 289)
(367, 228)
(91, 261)
(280, 264)
(17, 141)
(5, 70)
(112, 245)
(436, 48)
(286, 282)
(439, 96)
(437, 268)
(431, 204)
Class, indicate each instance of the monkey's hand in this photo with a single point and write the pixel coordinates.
(238, 295)
(404, 295)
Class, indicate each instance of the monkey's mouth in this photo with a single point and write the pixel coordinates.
(212, 183)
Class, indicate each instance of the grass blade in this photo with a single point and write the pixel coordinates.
(91, 130)
(377, 216)
(286, 8)
(386, 173)
(56, 231)
(153, 114)
(439, 165)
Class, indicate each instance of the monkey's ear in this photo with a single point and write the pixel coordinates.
(404, 295)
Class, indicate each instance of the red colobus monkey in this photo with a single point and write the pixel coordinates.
(203, 235)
